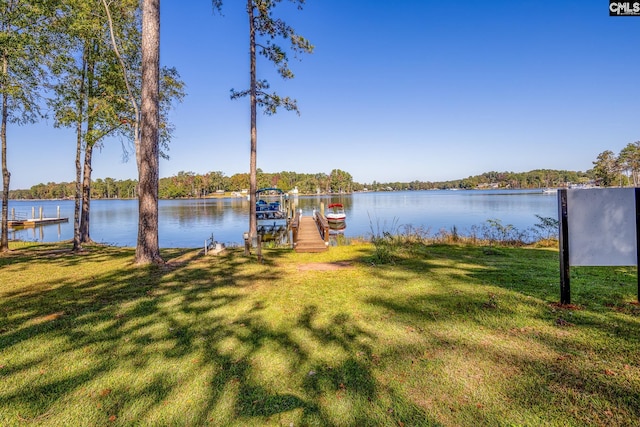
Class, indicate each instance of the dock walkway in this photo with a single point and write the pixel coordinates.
(30, 223)
(308, 236)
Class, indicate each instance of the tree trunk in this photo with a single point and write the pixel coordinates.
(86, 195)
(78, 190)
(6, 176)
(88, 151)
(147, 248)
(253, 187)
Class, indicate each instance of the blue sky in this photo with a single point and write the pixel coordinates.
(395, 91)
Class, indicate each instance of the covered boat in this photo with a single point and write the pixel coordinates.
(270, 204)
(272, 214)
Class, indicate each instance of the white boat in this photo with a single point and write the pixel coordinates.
(549, 191)
(336, 217)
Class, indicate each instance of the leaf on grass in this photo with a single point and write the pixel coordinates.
(105, 392)
(427, 355)
(572, 307)
(610, 372)
(561, 322)
(375, 359)
(112, 418)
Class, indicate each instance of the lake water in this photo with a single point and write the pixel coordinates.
(188, 223)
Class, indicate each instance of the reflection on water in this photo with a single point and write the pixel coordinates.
(53, 233)
(188, 223)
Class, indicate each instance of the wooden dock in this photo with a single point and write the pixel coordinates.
(307, 235)
(31, 223)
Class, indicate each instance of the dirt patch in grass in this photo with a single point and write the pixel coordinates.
(47, 318)
(571, 307)
(324, 266)
(184, 258)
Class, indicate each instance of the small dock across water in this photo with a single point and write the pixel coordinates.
(21, 221)
(31, 223)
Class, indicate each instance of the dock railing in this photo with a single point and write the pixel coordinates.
(295, 226)
(17, 216)
(323, 226)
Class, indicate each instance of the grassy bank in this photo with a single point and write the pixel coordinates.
(438, 335)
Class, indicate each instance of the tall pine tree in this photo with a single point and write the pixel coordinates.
(264, 28)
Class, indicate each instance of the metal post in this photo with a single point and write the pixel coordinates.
(259, 248)
(247, 246)
(58, 212)
(41, 212)
(563, 235)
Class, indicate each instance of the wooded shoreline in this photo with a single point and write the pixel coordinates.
(191, 185)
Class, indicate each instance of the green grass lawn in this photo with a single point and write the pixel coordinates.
(440, 335)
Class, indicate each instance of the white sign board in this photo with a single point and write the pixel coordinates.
(602, 227)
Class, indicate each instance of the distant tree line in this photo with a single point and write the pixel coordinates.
(190, 184)
(100, 189)
(193, 185)
(538, 178)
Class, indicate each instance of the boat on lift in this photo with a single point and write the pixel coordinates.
(272, 214)
(270, 204)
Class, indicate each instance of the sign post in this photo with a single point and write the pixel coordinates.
(563, 241)
(597, 227)
(637, 197)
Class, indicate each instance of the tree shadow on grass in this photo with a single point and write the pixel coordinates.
(488, 314)
(316, 390)
(191, 344)
(110, 317)
(204, 342)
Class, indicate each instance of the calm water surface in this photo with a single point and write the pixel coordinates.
(188, 223)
